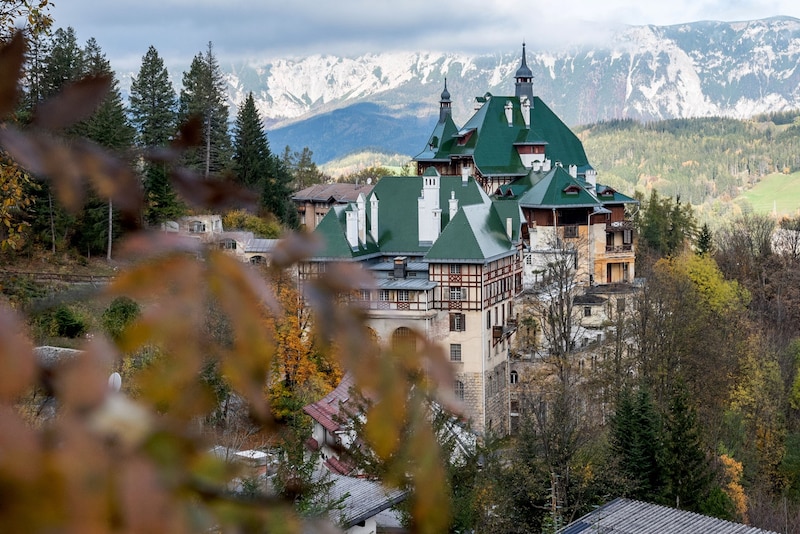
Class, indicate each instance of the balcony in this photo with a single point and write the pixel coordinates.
(619, 249)
(501, 332)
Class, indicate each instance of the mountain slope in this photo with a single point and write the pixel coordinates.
(644, 72)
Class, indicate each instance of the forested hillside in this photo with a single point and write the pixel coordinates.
(705, 160)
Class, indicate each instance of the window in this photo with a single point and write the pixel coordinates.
(455, 352)
(528, 259)
(402, 295)
(197, 226)
(455, 268)
(257, 260)
(571, 231)
(587, 311)
(489, 319)
(514, 377)
(227, 244)
(458, 389)
(457, 322)
(457, 293)
(627, 237)
(403, 339)
(364, 294)
(384, 295)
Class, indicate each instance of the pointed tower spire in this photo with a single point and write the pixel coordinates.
(444, 103)
(524, 79)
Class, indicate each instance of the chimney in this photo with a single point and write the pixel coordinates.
(464, 174)
(361, 203)
(573, 171)
(453, 204)
(429, 216)
(352, 227)
(591, 178)
(510, 228)
(400, 267)
(373, 219)
(509, 109)
(547, 165)
(526, 111)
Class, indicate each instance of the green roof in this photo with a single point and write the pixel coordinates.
(441, 141)
(558, 189)
(476, 233)
(492, 143)
(398, 211)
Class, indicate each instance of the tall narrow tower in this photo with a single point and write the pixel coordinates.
(524, 79)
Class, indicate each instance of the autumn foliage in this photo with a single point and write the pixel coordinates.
(138, 460)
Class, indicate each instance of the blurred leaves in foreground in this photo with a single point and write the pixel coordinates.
(138, 460)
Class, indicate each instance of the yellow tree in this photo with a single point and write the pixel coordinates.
(302, 371)
(14, 199)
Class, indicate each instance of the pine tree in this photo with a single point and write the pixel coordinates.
(251, 154)
(153, 106)
(203, 96)
(276, 193)
(637, 445)
(61, 63)
(108, 126)
(705, 243)
(685, 465)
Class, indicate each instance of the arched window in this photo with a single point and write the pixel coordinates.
(458, 388)
(403, 339)
(514, 378)
(258, 260)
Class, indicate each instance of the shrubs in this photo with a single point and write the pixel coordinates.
(119, 314)
(66, 322)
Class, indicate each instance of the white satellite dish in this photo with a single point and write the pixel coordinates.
(114, 382)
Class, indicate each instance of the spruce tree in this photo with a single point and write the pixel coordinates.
(203, 96)
(60, 63)
(108, 126)
(686, 471)
(705, 242)
(251, 154)
(637, 445)
(153, 107)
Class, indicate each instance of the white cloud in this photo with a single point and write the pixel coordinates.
(181, 28)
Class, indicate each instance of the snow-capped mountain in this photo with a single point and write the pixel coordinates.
(645, 72)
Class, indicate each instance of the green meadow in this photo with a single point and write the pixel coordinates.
(776, 193)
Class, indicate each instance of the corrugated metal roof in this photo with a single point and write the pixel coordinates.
(338, 192)
(626, 516)
(362, 498)
(414, 284)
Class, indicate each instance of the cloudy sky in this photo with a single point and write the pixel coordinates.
(268, 29)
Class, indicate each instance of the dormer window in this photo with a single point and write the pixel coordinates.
(607, 192)
(572, 190)
(465, 137)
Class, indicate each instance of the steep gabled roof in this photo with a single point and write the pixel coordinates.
(558, 189)
(440, 143)
(492, 142)
(398, 223)
(332, 230)
(326, 410)
(476, 233)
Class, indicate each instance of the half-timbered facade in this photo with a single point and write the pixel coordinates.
(446, 262)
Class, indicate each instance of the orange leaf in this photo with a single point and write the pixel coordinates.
(12, 55)
(76, 102)
(17, 363)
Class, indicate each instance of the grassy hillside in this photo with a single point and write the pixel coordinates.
(776, 193)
